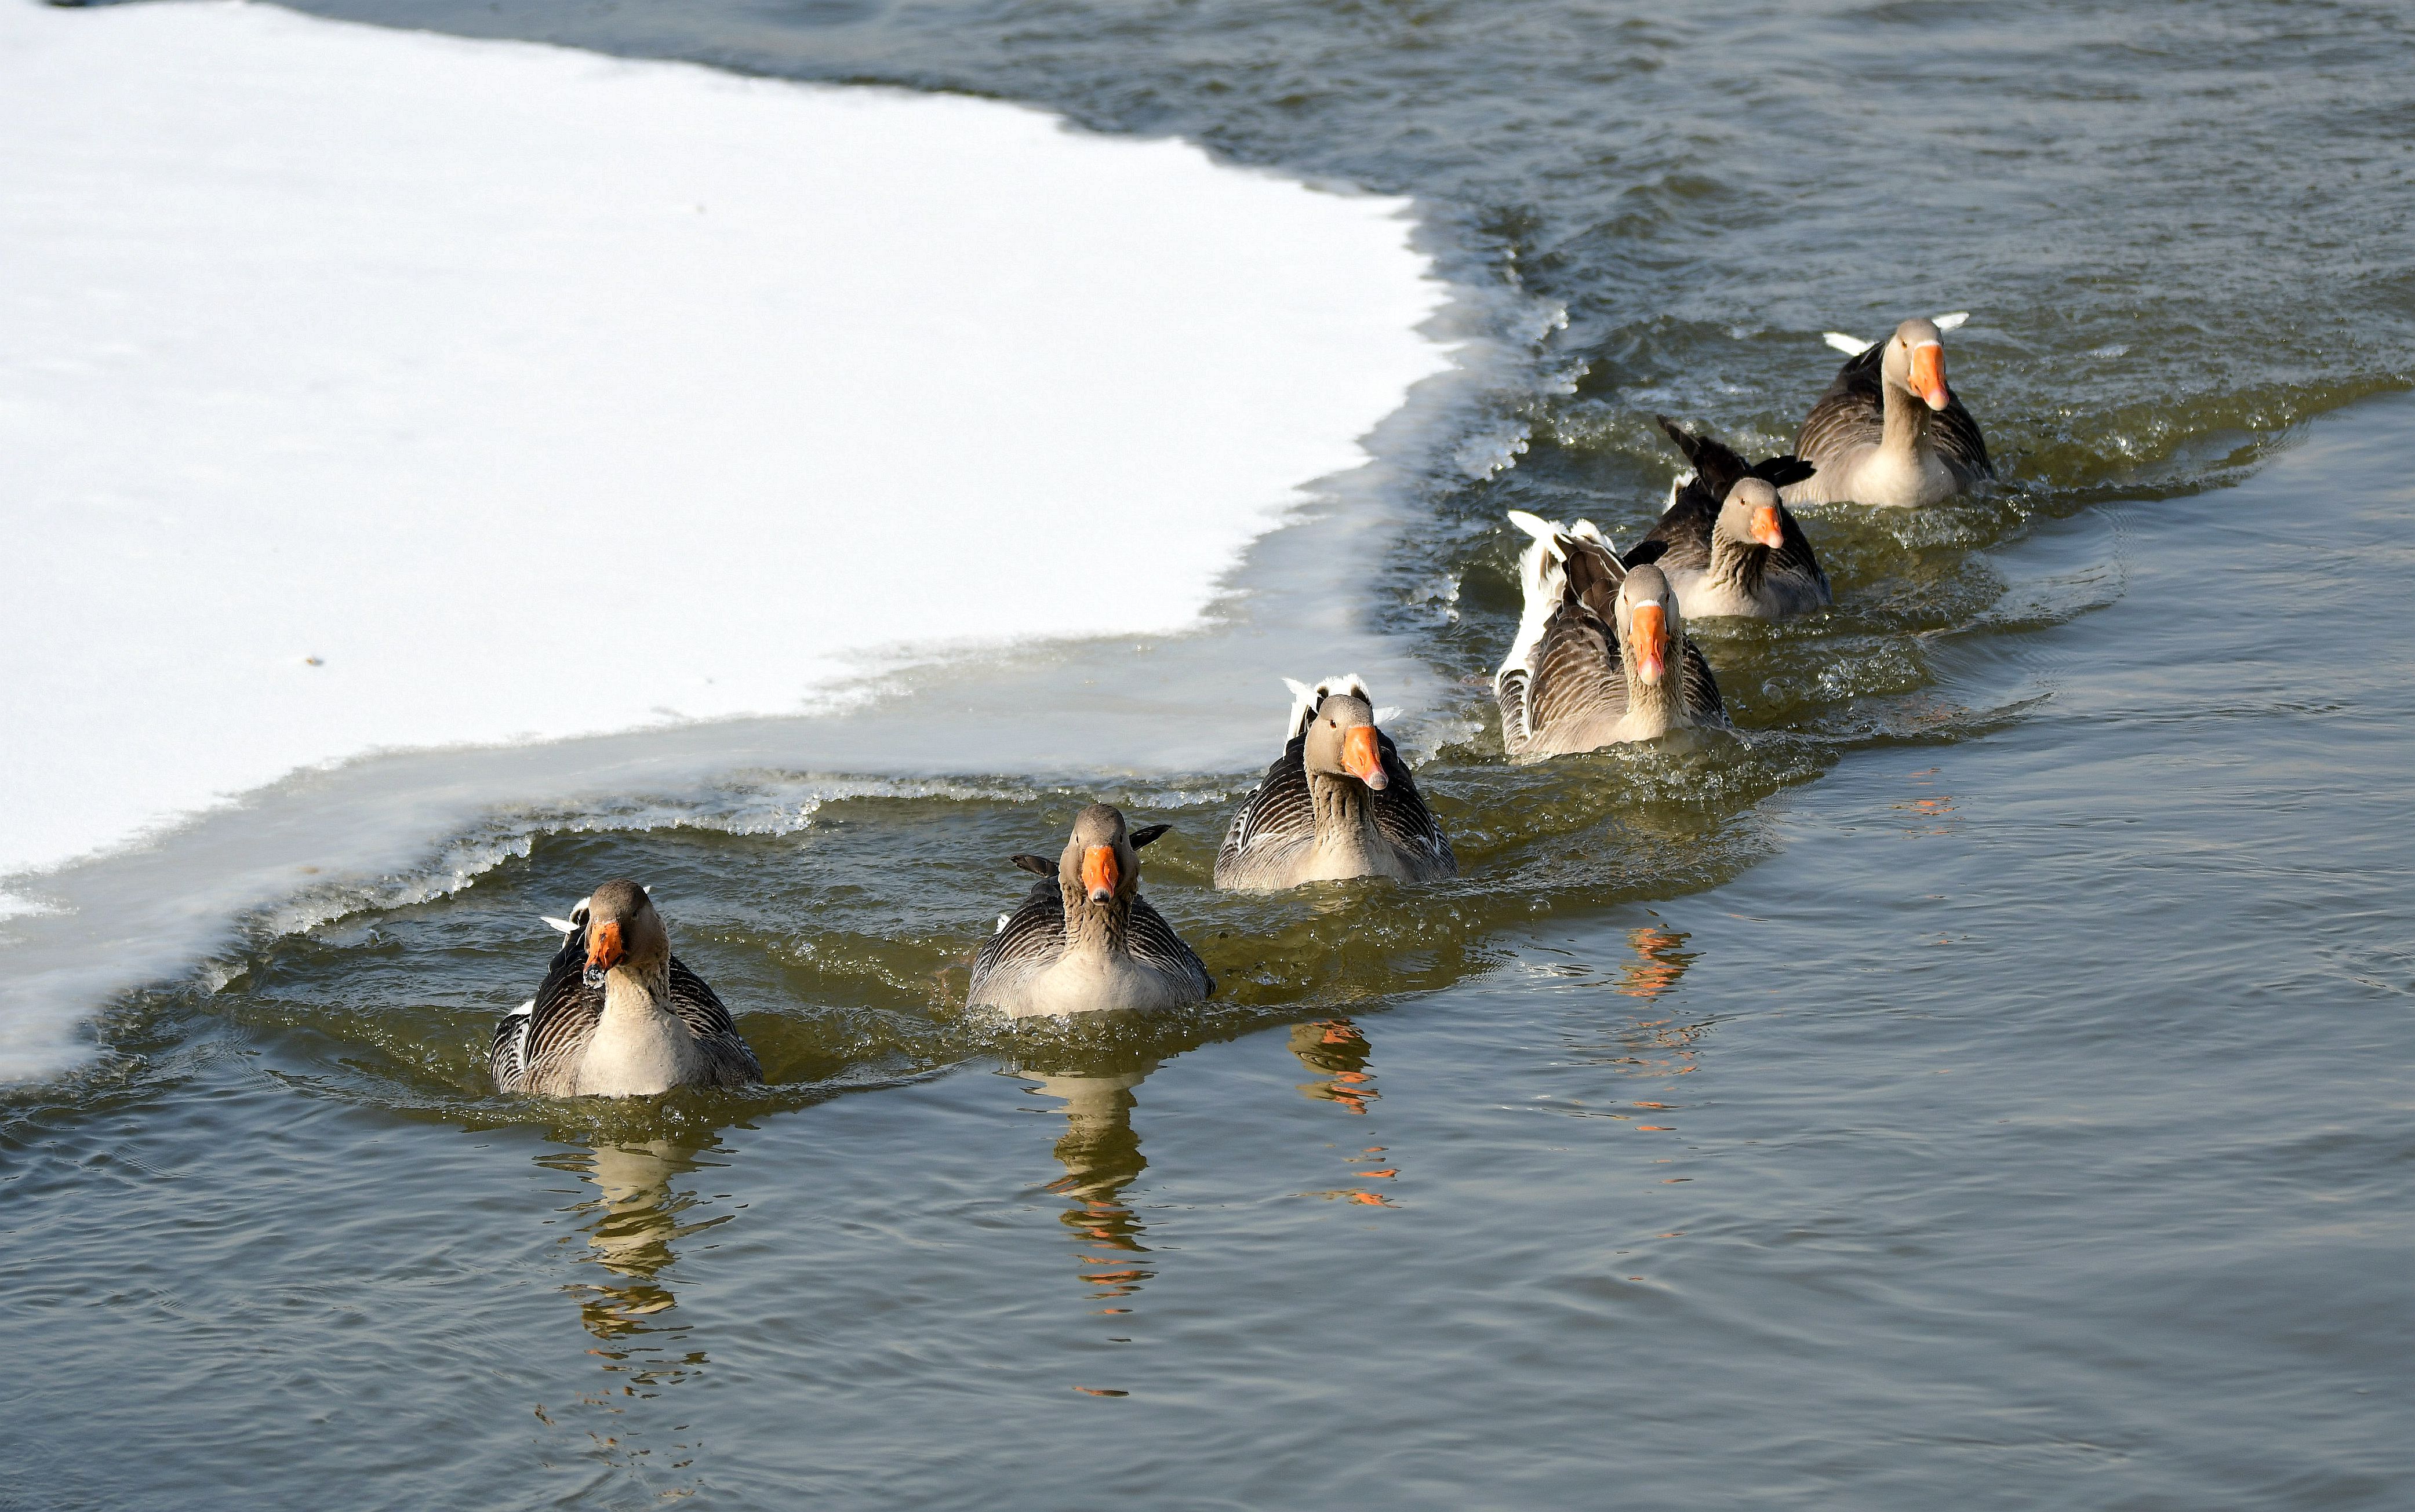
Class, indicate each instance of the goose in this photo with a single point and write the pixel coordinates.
(1338, 802)
(619, 1015)
(1888, 430)
(1084, 940)
(1725, 543)
(1601, 656)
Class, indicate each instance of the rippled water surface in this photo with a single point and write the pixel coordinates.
(1983, 1081)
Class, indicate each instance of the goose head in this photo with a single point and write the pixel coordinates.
(1648, 625)
(1915, 363)
(1750, 516)
(623, 933)
(1342, 742)
(1102, 862)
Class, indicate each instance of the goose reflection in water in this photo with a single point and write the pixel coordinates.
(1661, 959)
(635, 1219)
(1101, 1153)
(1338, 1051)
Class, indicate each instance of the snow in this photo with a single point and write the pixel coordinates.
(365, 389)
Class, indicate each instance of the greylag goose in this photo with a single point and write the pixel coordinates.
(1725, 543)
(1601, 656)
(1889, 431)
(1338, 802)
(619, 1015)
(1084, 939)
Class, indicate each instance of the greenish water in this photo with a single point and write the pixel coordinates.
(1982, 1081)
(2029, 1127)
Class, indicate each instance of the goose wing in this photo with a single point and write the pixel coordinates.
(1681, 537)
(1852, 413)
(1403, 818)
(700, 1009)
(1153, 943)
(1577, 673)
(1032, 935)
(544, 1037)
(1276, 821)
(1959, 442)
(1794, 557)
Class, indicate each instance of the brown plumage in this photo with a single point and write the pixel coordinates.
(1889, 431)
(619, 1015)
(1338, 802)
(1726, 543)
(1084, 940)
(1601, 656)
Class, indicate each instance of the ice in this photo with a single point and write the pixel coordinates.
(371, 390)
(368, 389)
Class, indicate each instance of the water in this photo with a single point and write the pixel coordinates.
(1982, 1082)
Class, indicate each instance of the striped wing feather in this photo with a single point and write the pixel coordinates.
(1152, 940)
(1701, 690)
(1577, 674)
(1278, 820)
(1034, 935)
(1403, 818)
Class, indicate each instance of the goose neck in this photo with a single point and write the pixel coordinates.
(1095, 928)
(1904, 420)
(1344, 814)
(630, 995)
(1655, 700)
(1738, 565)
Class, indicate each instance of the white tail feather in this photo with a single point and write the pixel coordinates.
(559, 926)
(1303, 703)
(1547, 531)
(1948, 323)
(1542, 574)
(525, 1008)
(1850, 346)
(1306, 700)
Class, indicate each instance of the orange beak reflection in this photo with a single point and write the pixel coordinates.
(1361, 757)
(1764, 527)
(1100, 873)
(604, 949)
(1650, 632)
(1928, 375)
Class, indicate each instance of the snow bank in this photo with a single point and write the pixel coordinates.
(366, 389)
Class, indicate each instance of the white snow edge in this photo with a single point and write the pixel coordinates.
(370, 389)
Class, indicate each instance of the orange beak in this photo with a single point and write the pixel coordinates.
(604, 949)
(1928, 375)
(1651, 637)
(1360, 757)
(1764, 527)
(1100, 873)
